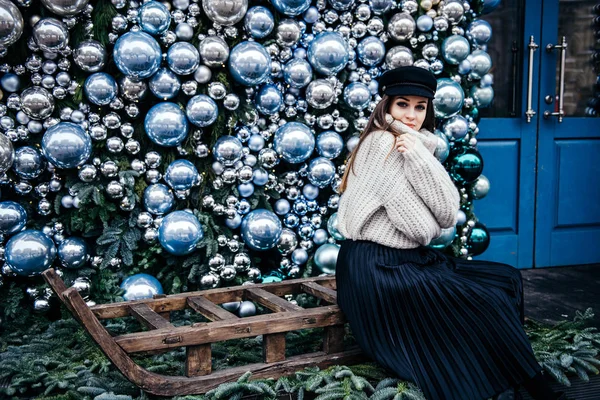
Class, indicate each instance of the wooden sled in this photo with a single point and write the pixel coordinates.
(197, 338)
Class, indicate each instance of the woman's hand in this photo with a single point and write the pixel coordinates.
(405, 143)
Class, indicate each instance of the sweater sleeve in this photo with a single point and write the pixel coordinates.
(433, 184)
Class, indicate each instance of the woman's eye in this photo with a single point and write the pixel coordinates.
(420, 108)
(402, 104)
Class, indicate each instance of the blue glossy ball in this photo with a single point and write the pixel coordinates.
(154, 17)
(332, 227)
(100, 88)
(182, 175)
(183, 58)
(256, 142)
(291, 220)
(268, 99)
(479, 31)
(311, 15)
(310, 191)
(249, 63)
(449, 98)
(455, 48)
(357, 95)
(28, 162)
(164, 84)
(291, 7)
(321, 172)
(30, 252)
(326, 257)
(166, 124)
(228, 150)
(137, 54)
(330, 144)
(141, 286)
(456, 127)
(483, 96)
(180, 232)
(67, 145)
(246, 189)
(371, 51)
(73, 253)
(260, 177)
(300, 256)
(294, 142)
(328, 53)
(261, 229)
(259, 22)
(297, 73)
(282, 207)
(158, 199)
(10, 83)
(13, 217)
(201, 110)
(320, 236)
(235, 222)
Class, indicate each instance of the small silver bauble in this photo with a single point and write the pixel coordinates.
(114, 189)
(153, 159)
(87, 173)
(150, 235)
(231, 101)
(217, 90)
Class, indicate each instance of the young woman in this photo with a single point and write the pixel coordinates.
(452, 326)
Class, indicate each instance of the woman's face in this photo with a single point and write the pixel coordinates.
(410, 110)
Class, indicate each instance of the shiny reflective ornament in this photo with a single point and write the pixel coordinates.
(247, 309)
(294, 142)
(202, 74)
(371, 51)
(182, 175)
(291, 7)
(320, 94)
(259, 22)
(466, 166)
(483, 96)
(183, 58)
(90, 56)
(154, 17)
(456, 127)
(180, 232)
(164, 84)
(454, 11)
(73, 253)
(166, 124)
(158, 199)
(288, 241)
(231, 101)
(67, 145)
(37, 102)
(297, 73)
(401, 27)
(225, 12)
(11, 23)
(326, 258)
(201, 110)
(100, 88)
(479, 31)
(268, 99)
(357, 95)
(29, 162)
(448, 99)
(137, 54)
(141, 286)
(330, 145)
(13, 217)
(29, 252)
(51, 35)
(261, 229)
(228, 150)
(282, 207)
(321, 172)
(214, 51)
(481, 63)
(249, 63)
(288, 32)
(424, 23)
(455, 48)
(380, 7)
(478, 240)
(332, 227)
(399, 56)
(65, 8)
(481, 187)
(7, 154)
(328, 53)
(445, 238)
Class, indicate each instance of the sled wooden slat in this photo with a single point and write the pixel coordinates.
(223, 325)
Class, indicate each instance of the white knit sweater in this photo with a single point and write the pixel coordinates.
(402, 202)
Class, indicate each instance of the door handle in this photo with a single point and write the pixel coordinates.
(561, 81)
(532, 48)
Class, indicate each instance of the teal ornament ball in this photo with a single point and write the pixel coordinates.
(466, 166)
(326, 258)
(445, 239)
(332, 227)
(479, 239)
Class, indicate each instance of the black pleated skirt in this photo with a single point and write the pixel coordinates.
(453, 327)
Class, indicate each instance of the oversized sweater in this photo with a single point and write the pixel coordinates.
(402, 201)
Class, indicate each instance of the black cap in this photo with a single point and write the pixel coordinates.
(409, 81)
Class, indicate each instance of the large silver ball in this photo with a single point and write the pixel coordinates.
(225, 12)
(320, 94)
(401, 27)
(90, 56)
(51, 35)
(399, 56)
(214, 51)
(11, 23)
(65, 7)
(37, 102)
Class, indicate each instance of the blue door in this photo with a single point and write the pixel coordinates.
(539, 140)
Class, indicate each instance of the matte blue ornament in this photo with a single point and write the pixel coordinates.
(330, 144)
(181, 175)
(28, 163)
(456, 127)
(73, 253)
(455, 48)
(478, 240)
(321, 172)
(260, 177)
(300, 256)
(246, 189)
(466, 166)
(310, 191)
(268, 99)
(261, 229)
(164, 84)
(259, 22)
(332, 227)
(424, 23)
(291, 7)
(357, 95)
(483, 96)
(249, 63)
(67, 145)
(166, 124)
(137, 54)
(13, 217)
(235, 222)
(448, 99)
(100, 88)
(154, 17)
(320, 236)
(371, 51)
(30, 252)
(10, 82)
(311, 15)
(183, 58)
(294, 142)
(201, 110)
(180, 232)
(297, 73)
(141, 286)
(326, 257)
(158, 199)
(282, 207)
(228, 150)
(256, 142)
(328, 53)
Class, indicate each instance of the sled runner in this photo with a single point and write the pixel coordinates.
(197, 338)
